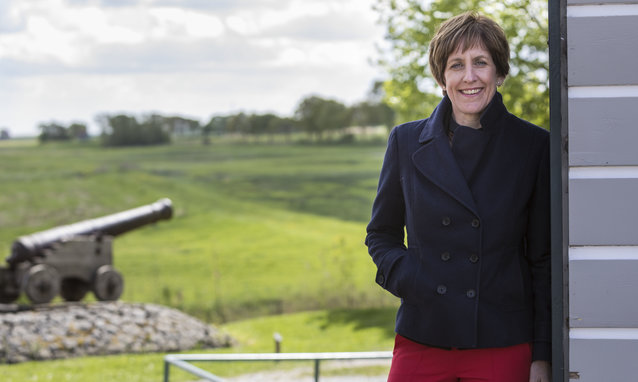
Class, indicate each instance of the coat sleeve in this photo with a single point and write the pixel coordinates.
(538, 239)
(385, 232)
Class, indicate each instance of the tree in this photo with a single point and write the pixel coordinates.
(217, 125)
(238, 124)
(374, 111)
(53, 131)
(285, 126)
(317, 115)
(124, 130)
(369, 113)
(412, 92)
(78, 130)
(259, 123)
(153, 130)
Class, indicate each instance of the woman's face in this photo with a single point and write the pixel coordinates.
(470, 82)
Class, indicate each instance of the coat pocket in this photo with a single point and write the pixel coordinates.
(415, 284)
(398, 277)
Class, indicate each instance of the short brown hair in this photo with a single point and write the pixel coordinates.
(467, 30)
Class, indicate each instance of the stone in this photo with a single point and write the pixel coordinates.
(83, 329)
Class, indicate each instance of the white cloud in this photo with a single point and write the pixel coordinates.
(184, 24)
(70, 59)
(258, 20)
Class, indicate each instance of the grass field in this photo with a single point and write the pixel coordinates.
(316, 331)
(260, 233)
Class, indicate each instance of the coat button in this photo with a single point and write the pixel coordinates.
(446, 221)
(445, 256)
(476, 223)
(441, 289)
(474, 258)
(471, 293)
(380, 279)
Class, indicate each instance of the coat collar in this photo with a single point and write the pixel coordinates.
(435, 125)
(435, 159)
(436, 162)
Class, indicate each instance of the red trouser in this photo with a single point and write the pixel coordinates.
(413, 362)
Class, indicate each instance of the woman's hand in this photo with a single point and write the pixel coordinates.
(541, 371)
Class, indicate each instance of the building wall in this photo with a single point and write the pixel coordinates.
(602, 88)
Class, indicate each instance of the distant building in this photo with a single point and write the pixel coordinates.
(181, 126)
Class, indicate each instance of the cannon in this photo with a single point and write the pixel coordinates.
(72, 259)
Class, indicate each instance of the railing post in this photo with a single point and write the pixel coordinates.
(167, 365)
(317, 369)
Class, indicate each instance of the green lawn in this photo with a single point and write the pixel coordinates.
(317, 331)
(259, 231)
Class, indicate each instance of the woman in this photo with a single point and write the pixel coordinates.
(470, 187)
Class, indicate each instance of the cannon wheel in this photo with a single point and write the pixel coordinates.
(41, 283)
(73, 289)
(107, 283)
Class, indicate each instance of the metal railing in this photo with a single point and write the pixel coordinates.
(182, 360)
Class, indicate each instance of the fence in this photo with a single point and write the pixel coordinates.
(182, 360)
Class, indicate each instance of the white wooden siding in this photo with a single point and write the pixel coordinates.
(602, 79)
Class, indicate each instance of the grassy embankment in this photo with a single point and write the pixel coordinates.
(260, 233)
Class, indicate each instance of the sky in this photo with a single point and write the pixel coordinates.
(67, 61)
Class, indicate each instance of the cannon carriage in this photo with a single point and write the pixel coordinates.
(74, 259)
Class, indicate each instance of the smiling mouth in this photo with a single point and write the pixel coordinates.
(471, 91)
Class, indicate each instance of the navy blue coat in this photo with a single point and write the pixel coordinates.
(475, 272)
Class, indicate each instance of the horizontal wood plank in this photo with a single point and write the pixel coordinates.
(608, 360)
(602, 131)
(602, 50)
(602, 293)
(603, 211)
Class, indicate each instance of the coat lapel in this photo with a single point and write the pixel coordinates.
(434, 159)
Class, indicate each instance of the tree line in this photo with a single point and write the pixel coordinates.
(315, 116)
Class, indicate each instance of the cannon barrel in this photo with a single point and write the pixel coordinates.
(28, 246)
